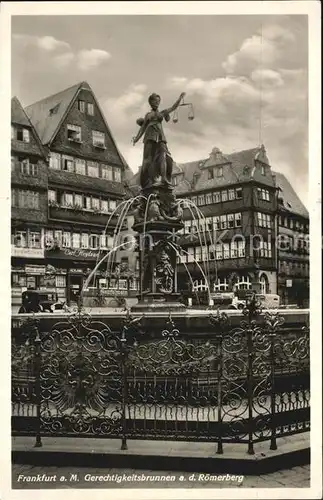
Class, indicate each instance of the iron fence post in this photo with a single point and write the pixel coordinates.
(37, 341)
(273, 443)
(250, 390)
(123, 348)
(220, 372)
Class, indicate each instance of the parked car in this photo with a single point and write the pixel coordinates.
(34, 301)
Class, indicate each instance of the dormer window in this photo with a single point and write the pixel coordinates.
(210, 174)
(74, 133)
(263, 170)
(219, 172)
(98, 139)
(81, 106)
(54, 110)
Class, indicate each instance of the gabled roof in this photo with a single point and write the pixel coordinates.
(18, 114)
(47, 114)
(237, 167)
(291, 201)
(19, 117)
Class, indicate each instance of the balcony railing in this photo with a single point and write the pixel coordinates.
(57, 212)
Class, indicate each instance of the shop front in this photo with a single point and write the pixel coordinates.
(76, 265)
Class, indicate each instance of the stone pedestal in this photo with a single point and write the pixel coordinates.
(158, 218)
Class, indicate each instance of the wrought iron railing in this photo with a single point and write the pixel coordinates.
(242, 384)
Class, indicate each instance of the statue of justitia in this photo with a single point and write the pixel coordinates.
(157, 162)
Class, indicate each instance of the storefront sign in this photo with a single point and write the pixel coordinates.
(35, 269)
(76, 271)
(73, 254)
(33, 253)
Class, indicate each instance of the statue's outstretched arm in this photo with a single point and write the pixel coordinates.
(175, 105)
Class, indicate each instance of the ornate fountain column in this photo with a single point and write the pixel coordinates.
(157, 220)
(157, 216)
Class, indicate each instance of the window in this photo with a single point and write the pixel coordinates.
(78, 200)
(187, 226)
(85, 240)
(92, 169)
(223, 219)
(67, 199)
(216, 197)
(104, 206)
(34, 239)
(25, 199)
(230, 221)
(219, 171)
(238, 193)
(103, 241)
(68, 163)
(21, 239)
(210, 174)
(96, 203)
(209, 224)
(208, 199)
(80, 166)
(49, 237)
(263, 194)
(52, 195)
(226, 251)
(231, 194)
(234, 249)
(175, 179)
(98, 139)
(13, 163)
(74, 133)
(263, 170)
(291, 224)
(264, 220)
(55, 161)
(90, 108)
(76, 240)
(81, 106)
(94, 241)
(112, 205)
(190, 254)
(66, 239)
(216, 222)
(61, 281)
(88, 204)
(117, 174)
(218, 251)
(27, 168)
(224, 195)
(198, 254)
(237, 219)
(22, 134)
(241, 248)
(201, 199)
(107, 172)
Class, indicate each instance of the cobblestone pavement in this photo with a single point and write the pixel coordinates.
(72, 477)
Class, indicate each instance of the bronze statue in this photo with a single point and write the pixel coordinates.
(157, 161)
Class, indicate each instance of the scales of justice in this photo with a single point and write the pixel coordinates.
(157, 213)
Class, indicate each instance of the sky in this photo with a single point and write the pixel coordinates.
(247, 77)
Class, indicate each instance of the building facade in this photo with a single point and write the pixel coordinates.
(232, 210)
(293, 245)
(29, 182)
(85, 183)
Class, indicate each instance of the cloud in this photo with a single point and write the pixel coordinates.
(123, 110)
(266, 48)
(47, 43)
(63, 60)
(88, 59)
(60, 51)
(262, 97)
